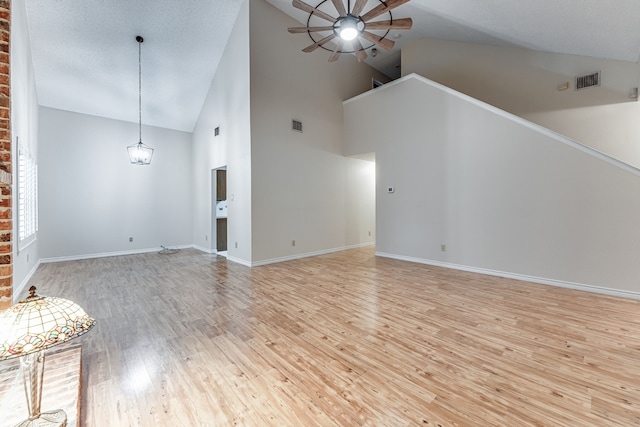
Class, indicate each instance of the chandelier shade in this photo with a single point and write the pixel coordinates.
(140, 154)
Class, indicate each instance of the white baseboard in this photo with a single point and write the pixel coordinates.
(108, 254)
(309, 254)
(239, 261)
(203, 249)
(516, 276)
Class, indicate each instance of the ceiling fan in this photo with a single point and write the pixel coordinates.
(352, 27)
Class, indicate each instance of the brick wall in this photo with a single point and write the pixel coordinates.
(6, 221)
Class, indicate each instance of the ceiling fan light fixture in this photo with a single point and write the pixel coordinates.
(354, 30)
(348, 28)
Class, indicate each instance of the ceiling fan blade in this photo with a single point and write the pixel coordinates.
(339, 7)
(297, 30)
(299, 4)
(380, 41)
(396, 24)
(357, 8)
(361, 55)
(382, 8)
(336, 52)
(319, 43)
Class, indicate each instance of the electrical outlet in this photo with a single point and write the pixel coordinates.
(236, 245)
(206, 238)
(293, 243)
(131, 239)
(443, 247)
(369, 233)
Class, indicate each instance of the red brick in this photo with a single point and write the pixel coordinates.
(6, 270)
(5, 300)
(6, 222)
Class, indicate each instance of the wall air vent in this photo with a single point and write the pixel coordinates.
(296, 125)
(588, 80)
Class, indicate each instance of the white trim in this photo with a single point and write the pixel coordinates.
(203, 249)
(558, 137)
(287, 258)
(108, 254)
(239, 261)
(21, 287)
(309, 254)
(516, 276)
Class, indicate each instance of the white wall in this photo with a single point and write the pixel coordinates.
(92, 199)
(24, 126)
(226, 106)
(505, 196)
(525, 83)
(300, 181)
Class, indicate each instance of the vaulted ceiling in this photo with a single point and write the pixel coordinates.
(86, 58)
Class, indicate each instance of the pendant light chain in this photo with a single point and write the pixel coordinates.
(140, 86)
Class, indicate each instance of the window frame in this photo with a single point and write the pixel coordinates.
(27, 198)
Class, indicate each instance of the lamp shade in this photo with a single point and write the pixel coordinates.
(38, 323)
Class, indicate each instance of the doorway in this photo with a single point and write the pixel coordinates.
(220, 210)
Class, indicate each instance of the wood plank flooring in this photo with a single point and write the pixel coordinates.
(346, 339)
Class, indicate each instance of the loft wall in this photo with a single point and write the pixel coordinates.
(504, 195)
(525, 82)
(300, 188)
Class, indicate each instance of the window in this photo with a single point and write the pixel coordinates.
(27, 198)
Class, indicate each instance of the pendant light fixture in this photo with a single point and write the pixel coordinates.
(140, 154)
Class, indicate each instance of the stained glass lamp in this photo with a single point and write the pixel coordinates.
(26, 330)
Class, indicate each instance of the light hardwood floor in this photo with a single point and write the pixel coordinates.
(344, 339)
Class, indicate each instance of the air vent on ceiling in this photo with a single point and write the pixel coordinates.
(296, 125)
(588, 80)
(216, 131)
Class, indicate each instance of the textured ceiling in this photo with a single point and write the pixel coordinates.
(86, 57)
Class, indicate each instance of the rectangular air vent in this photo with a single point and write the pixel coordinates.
(296, 125)
(588, 80)
(216, 131)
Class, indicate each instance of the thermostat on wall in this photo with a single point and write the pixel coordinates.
(391, 189)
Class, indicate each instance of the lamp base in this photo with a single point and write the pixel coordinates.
(57, 418)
